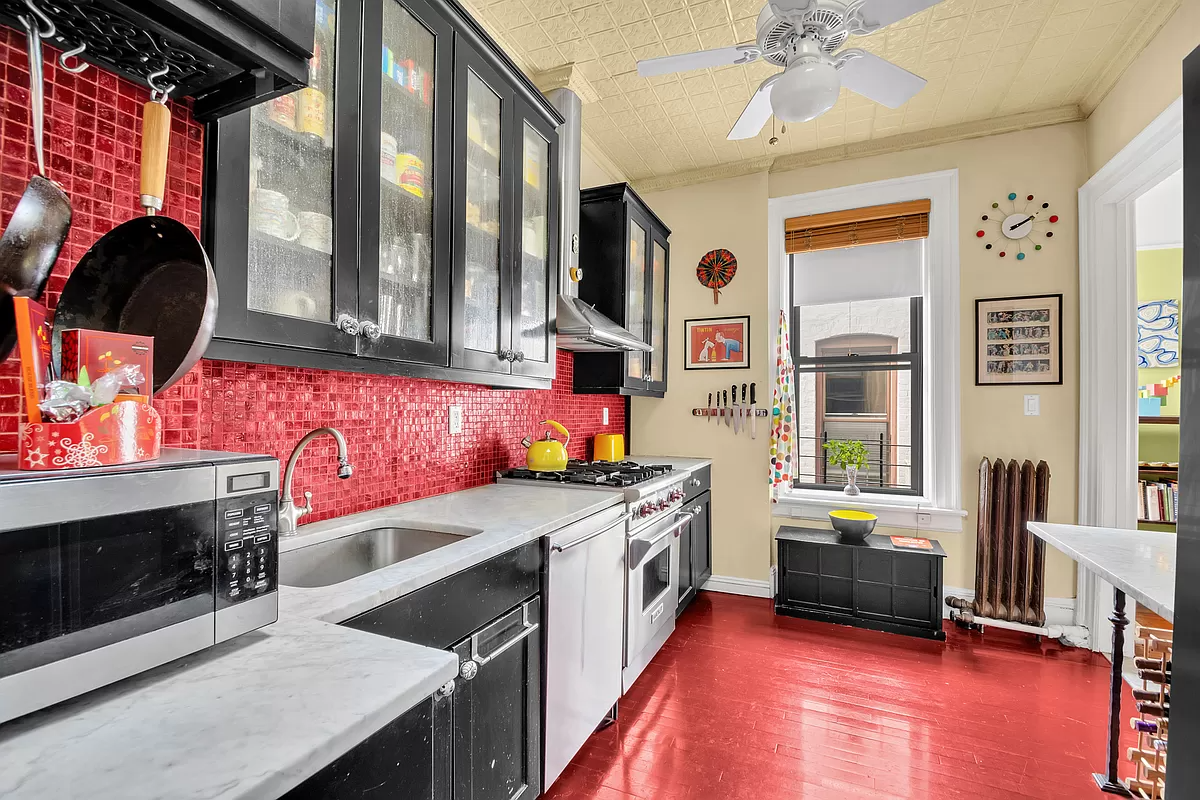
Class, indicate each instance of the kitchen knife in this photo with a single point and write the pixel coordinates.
(710, 406)
(725, 413)
(736, 408)
(744, 408)
(753, 411)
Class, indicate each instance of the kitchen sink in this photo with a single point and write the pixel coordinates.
(357, 554)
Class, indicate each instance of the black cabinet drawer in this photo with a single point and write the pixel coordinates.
(697, 483)
(464, 602)
(874, 585)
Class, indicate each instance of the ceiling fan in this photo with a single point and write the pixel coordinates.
(803, 37)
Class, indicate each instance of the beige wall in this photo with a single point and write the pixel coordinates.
(591, 173)
(1049, 162)
(731, 214)
(1152, 82)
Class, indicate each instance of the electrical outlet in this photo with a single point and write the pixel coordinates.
(1033, 405)
(605, 416)
(456, 419)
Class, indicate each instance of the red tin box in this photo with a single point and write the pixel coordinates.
(87, 354)
(118, 433)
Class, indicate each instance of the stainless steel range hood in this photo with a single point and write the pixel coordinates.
(580, 327)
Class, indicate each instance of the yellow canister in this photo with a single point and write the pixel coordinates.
(609, 447)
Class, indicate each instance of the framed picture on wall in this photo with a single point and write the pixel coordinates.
(717, 343)
(1018, 341)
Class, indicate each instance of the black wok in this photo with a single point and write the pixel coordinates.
(40, 223)
(148, 276)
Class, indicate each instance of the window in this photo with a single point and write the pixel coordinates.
(867, 276)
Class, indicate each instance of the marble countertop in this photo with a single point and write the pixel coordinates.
(495, 519)
(1140, 563)
(251, 718)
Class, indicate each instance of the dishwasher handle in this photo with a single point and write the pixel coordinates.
(527, 628)
(562, 548)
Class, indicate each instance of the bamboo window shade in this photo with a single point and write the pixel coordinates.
(894, 222)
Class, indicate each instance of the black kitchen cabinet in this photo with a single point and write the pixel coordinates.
(695, 551)
(490, 616)
(409, 759)
(625, 256)
(874, 585)
(403, 209)
(224, 54)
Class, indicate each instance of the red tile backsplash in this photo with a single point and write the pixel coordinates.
(395, 428)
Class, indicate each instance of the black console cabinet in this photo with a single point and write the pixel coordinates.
(874, 585)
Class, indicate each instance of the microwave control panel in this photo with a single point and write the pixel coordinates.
(247, 546)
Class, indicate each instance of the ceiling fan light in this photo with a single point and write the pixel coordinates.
(805, 91)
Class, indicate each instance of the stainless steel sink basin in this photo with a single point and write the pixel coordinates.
(357, 554)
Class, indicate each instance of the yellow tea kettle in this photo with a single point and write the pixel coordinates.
(548, 454)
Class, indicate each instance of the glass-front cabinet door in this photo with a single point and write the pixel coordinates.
(404, 284)
(282, 232)
(636, 277)
(657, 317)
(482, 248)
(536, 290)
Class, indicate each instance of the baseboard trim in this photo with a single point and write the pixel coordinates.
(743, 586)
(1059, 610)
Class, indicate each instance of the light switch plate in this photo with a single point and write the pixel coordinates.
(456, 419)
(1033, 405)
(605, 421)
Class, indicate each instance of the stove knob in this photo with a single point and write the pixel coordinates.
(645, 510)
(662, 504)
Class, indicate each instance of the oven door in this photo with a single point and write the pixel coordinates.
(652, 592)
(81, 593)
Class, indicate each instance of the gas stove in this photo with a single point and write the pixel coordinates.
(602, 474)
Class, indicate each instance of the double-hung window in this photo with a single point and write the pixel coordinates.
(857, 343)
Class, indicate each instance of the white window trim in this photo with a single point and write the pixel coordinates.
(940, 509)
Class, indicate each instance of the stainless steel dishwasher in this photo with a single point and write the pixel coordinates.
(585, 608)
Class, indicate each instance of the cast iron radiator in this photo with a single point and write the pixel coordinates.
(1010, 562)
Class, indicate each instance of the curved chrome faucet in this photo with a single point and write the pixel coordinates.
(289, 512)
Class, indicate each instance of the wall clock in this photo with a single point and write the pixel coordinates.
(1017, 226)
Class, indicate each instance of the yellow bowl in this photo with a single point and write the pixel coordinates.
(854, 526)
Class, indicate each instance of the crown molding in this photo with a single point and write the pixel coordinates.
(1153, 20)
(566, 76)
(874, 147)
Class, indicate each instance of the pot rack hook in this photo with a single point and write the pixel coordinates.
(48, 31)
(159, 93)
(73, 53)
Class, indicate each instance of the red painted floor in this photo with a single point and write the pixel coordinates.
(743, 704)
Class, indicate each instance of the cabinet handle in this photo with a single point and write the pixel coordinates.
(348, 324)
(527, 628)
(506, 355)
(446, 689)
(468, 669)
(371, 330)
(519, 355)
(695, 482)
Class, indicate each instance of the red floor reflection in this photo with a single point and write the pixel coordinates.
(743, 704)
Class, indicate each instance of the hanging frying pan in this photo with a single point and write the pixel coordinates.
(148, 276)
(40, 223)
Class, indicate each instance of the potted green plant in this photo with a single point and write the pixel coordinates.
(851, 456)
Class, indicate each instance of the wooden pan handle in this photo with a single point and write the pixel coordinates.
(156, 138)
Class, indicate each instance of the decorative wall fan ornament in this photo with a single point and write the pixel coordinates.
(1017, 226)
(803, 37)
(716, 270)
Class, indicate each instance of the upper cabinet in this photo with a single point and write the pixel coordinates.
(399, 214)
(624, 254)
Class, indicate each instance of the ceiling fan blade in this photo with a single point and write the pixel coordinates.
(877, 14)
(685, 62)
(757, 112)
(878, 79)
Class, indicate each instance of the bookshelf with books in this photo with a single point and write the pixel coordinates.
(1158, 498)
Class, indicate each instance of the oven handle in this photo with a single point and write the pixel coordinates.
(561, 548)
(527, 628)
(646, 545)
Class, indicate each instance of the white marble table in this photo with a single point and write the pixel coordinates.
(1140, 564)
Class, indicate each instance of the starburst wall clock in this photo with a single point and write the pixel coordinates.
(1017, 227)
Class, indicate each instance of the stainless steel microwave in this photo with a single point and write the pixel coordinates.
(111, 571)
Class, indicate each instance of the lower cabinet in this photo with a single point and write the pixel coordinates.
(695, 552)
(491, 617)
(409, 759)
